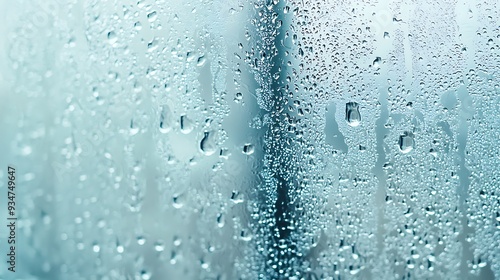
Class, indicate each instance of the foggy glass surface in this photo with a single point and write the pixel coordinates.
(263, 139)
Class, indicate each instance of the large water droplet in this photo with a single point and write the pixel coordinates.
(352, 115)
(207, 144)
(248, 149)
(406, 142)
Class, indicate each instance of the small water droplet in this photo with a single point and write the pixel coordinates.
(221, 221)
(96, 248)
(352, 115)
(376, 62)
(201, 61)
(177, 201)
(165, 119)
(112, 38)
(177, 241)
(224, 153)
(133, 128)
(152, 16)
(406, 142)
(120, 249)
(141, 240)
(190, 56)
(186, 124)
(153, 45)
(238, 97)
(245, 235)
(145, 275)
(248, 149)
(159, 246)
(237, 197)
(46, 218)
(138, 25)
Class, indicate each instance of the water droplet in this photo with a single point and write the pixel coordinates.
(153, 45)
(177, 201)
(152, 16)
(248, 149)
(138, 25)
(245, 235)
(112, 38)
(165, 119)
(177, 241)
(145, 275)
(46, 218)
(120, 249)
(376, 62)
(224, 153)
(190, 56)
(237, 197)
(96, 248)
(238, 97)
(133, 128)
(201, 61)
(352, 115)
(207, 144)
(186, 124)
(141, 240)
(159, 246)
(221, 221)
(406, 142)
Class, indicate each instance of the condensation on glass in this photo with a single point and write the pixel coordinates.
(259, 139)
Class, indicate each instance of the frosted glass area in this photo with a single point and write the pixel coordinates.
(250, 139)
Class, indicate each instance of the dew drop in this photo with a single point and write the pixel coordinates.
(159, 246)
(165, 125)
(201, 61)
(177, 201)
(352, 115)
(186, 124)
(112, 38)
(153, 45)
(141, 240)
(406, 142)
(207, 144)
(138, 26)
(376, 62)
(248, 149)
(96, 248)
(221, 221)
(237, 197)
(145, 275)
(152, 16)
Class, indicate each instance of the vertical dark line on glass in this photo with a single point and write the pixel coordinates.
(285, 247)
(282, 259)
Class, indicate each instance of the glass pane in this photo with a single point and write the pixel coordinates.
(263, 139)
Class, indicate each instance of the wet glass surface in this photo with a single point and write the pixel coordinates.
(264, 139)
